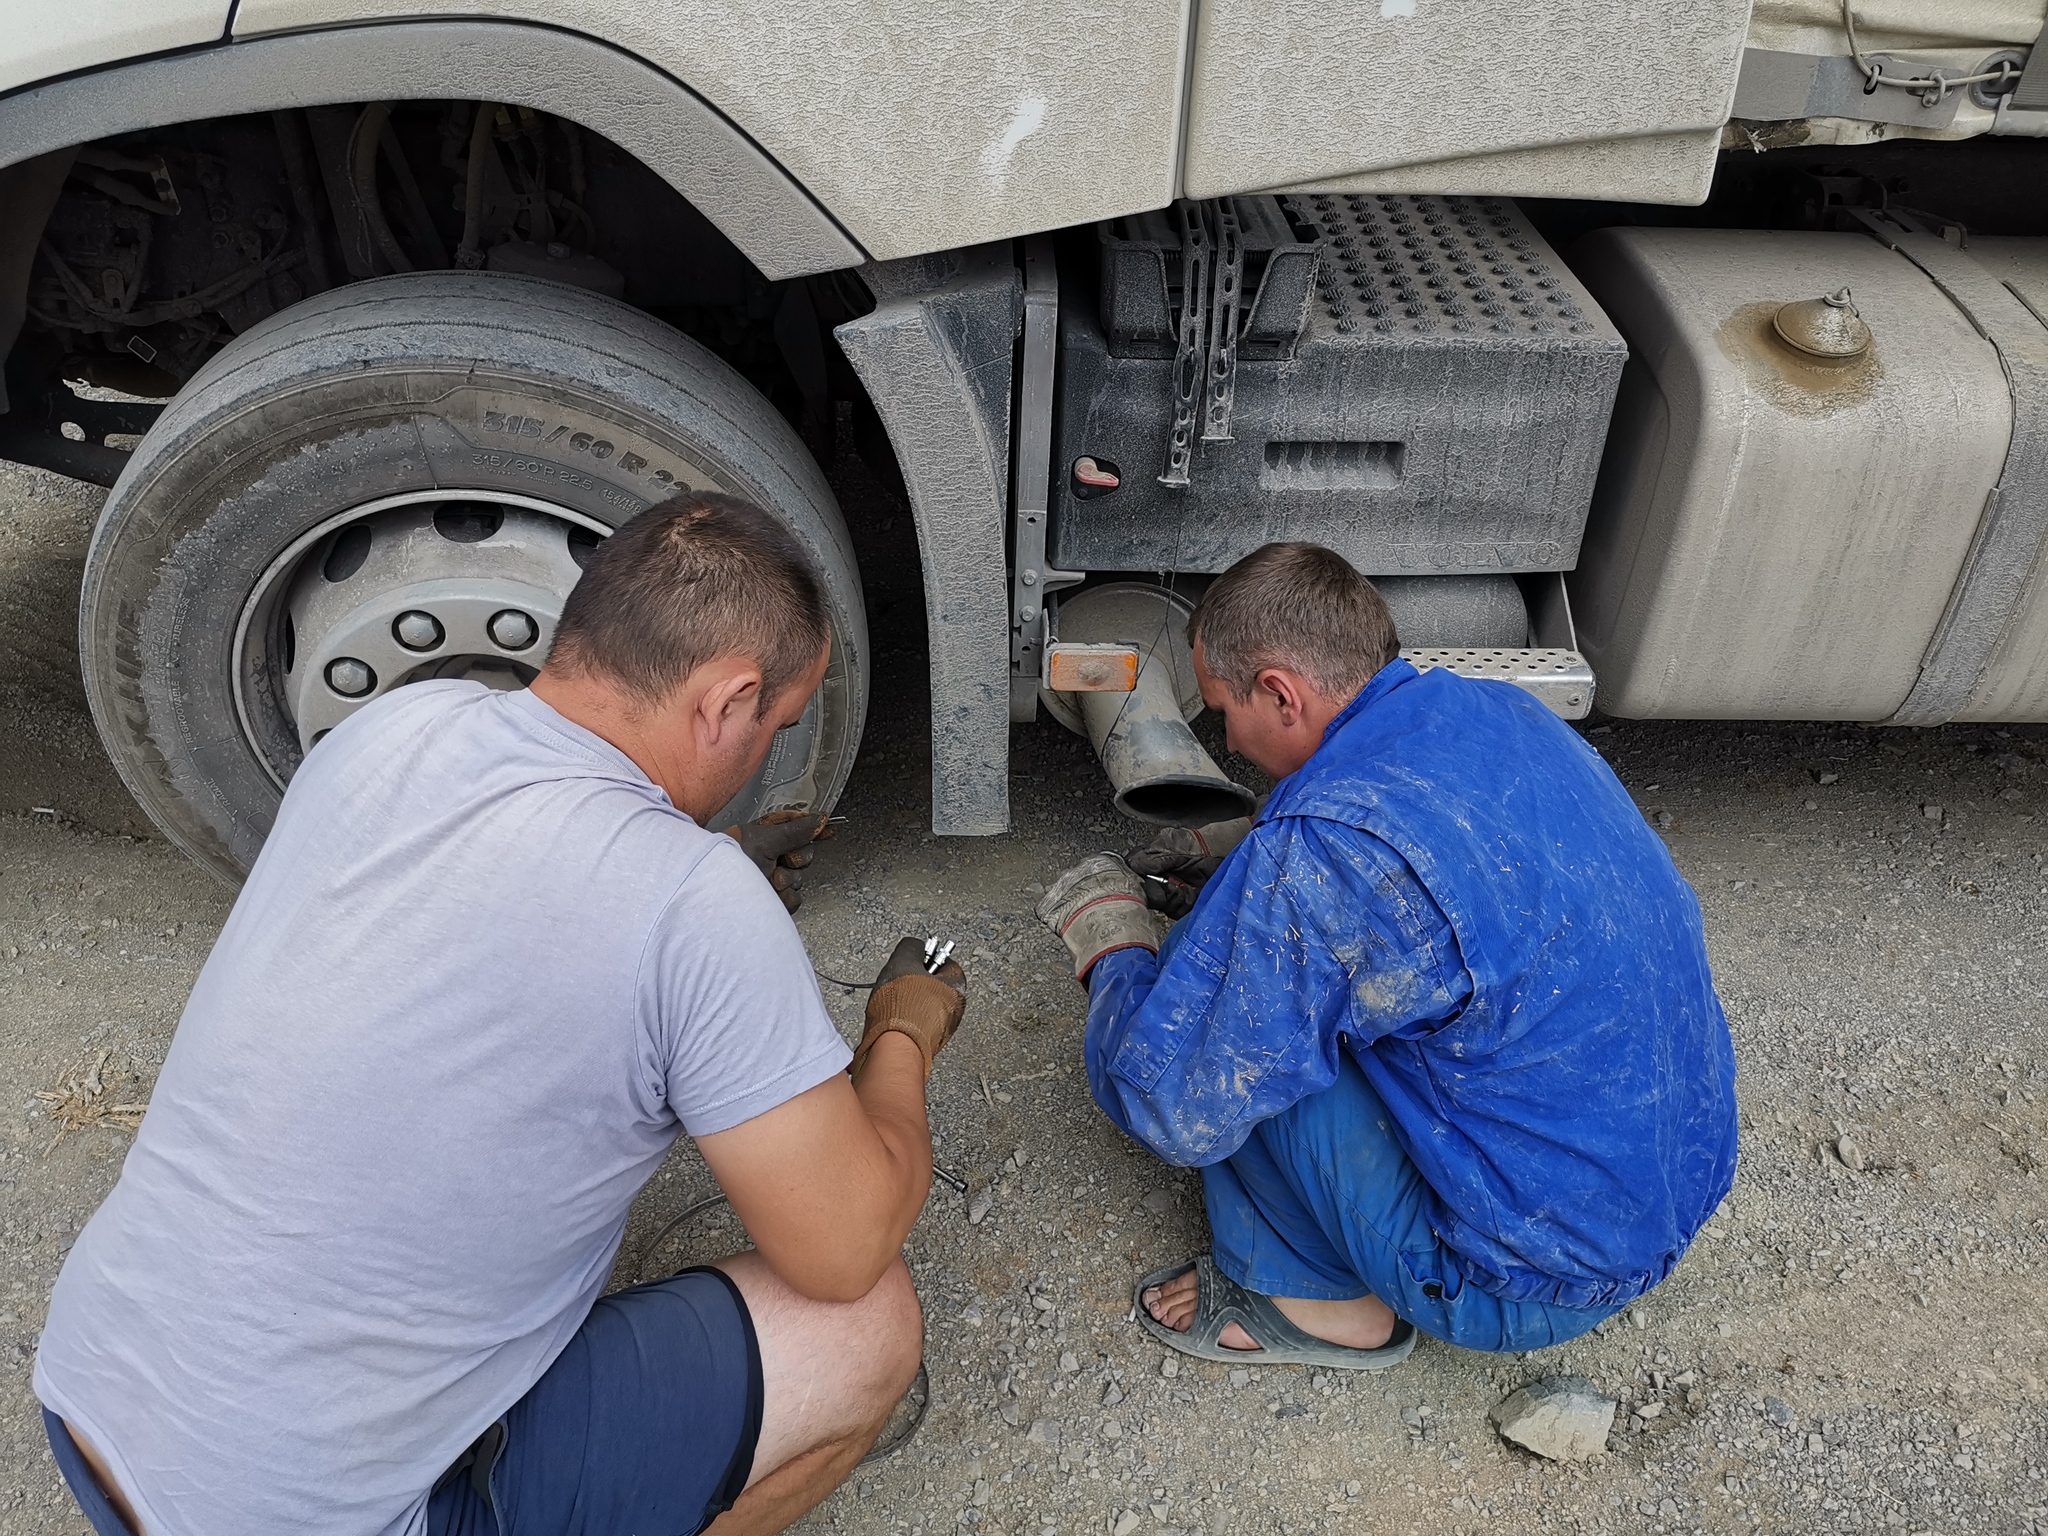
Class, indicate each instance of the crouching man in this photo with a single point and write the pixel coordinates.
(1439, 1032)
(488, 966)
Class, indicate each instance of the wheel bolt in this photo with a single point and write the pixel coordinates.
(417, 631)
(350, 678)
(513, 630)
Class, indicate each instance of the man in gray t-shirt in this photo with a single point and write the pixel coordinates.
(487, 968)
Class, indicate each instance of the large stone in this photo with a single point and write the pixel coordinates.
(1564, 1418)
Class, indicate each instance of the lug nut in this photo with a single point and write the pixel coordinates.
(513, 630)
(417, 631)
(350, 678)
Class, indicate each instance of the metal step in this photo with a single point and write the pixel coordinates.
(1562, 679)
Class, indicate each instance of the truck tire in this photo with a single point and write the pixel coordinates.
(455, 441)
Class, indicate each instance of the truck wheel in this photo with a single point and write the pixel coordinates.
(397, 480)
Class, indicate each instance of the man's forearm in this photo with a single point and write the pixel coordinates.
(1158, 1007)
(891, 1089)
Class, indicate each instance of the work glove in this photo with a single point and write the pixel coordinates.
(1096, 907)
(780, 846)
(1179, 861)
(906, 1001)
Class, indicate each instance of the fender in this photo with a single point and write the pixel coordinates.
(936, 355)
(725, 175)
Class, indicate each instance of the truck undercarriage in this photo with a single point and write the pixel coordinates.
(374, 375)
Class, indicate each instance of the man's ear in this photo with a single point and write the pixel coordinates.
(1280, 687)
(735, 695)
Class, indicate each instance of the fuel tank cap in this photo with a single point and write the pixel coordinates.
(1827, 327)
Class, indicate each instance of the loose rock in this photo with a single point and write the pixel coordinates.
(1850, 1154)
(1562, 1418)
(1169, 1367)
(1127, 1522)
(978, 1207)
(1044, 1432)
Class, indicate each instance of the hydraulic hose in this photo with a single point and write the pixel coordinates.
(363, 172)
(470, 252)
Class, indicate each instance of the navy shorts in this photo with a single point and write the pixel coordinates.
(646, 1423)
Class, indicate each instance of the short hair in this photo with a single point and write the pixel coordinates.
(690, 580)
(1297, 606)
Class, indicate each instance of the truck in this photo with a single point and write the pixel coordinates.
(1690, 358)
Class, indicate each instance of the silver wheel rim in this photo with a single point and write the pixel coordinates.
(460, 596)
(787, 778)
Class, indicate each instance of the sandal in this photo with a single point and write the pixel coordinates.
(1221, 1301)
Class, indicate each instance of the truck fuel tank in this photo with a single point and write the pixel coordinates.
(1782, 514)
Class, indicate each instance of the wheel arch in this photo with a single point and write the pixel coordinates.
(944, 345)
(678, 135)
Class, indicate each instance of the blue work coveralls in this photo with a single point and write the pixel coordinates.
(1440, 1030)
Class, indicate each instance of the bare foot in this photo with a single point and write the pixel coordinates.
(1365, 1323)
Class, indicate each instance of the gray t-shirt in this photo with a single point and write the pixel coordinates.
(481, 975)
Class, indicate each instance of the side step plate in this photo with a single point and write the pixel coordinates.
(1561, 679)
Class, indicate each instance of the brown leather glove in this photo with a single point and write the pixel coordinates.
(780, 846)
(906, 1001)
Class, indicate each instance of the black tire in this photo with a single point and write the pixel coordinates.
(450, 382)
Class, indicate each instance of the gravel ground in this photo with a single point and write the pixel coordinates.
(1855, 1344)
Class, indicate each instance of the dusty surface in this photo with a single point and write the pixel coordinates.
(1844, 1350)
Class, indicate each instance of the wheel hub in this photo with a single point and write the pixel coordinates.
(432, 589)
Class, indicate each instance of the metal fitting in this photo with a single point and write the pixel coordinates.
(350, 678)
(417, 630)
(514, 630)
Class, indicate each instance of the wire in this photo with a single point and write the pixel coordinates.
(919, 1395)
(189, 307)
(1932, 89)
(469, 253)
(689, 1213)
(851, 986)
(362, 158)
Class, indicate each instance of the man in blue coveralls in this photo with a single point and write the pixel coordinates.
(1439, 1030)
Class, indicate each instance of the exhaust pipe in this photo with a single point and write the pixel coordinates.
(1159, 771)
